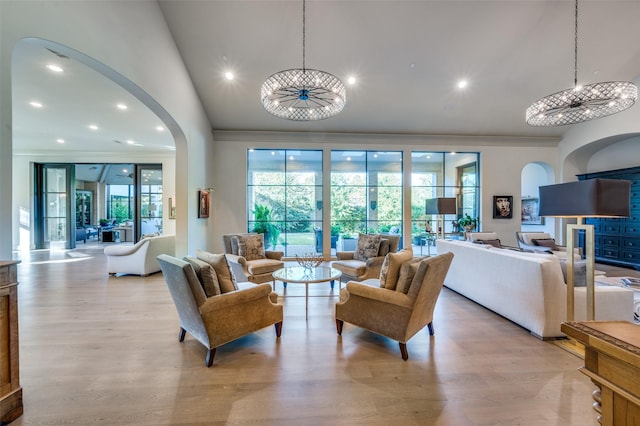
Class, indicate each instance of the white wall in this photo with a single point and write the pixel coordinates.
(617, 156)
(500, 169)
(139, 62)
(535, 175)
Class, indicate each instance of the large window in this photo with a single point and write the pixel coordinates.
(442, 174)
(284, 199)
(366, 195)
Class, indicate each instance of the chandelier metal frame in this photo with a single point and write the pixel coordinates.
(582, 103)
(302, 94)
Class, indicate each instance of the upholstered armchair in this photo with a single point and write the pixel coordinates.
(221, 317)
(139, 258)
(403, 306)
(366, 261)
(248, 259)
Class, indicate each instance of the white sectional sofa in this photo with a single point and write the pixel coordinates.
(526, 288)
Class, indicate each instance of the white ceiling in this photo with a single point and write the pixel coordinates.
(406, 55)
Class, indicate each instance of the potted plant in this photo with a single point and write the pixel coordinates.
(466, 222)
(264, 225)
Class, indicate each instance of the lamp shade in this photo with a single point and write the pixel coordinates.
(586, 198)
(440, 206)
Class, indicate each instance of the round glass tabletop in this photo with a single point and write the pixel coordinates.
(298, 274)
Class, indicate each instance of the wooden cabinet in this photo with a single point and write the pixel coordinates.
(10, 390)
(617, 241)
(612, 361)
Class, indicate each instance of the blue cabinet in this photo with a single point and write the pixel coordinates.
(617, 241)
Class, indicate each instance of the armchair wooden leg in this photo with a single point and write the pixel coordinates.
(181, 334)
(430, 325)
(403, 351)
(339, 324)
(210, 354)
(278, 328)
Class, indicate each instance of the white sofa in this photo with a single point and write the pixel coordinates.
(140, 258)
(526, 288)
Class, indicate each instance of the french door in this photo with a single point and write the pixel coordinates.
(54, 219)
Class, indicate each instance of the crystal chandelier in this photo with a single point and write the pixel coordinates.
(582, 103)
(303, 94)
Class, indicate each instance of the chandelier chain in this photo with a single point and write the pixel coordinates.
(575, 50)
(304, 34)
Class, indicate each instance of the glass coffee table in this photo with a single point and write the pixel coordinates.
(306, 276)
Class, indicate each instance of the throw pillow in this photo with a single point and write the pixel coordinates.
(390, 269)
(220, 265)
(234, 245)
(494, 243)
(546, 242)
(207, 276)
(407, 272)
(579, 272)
(368, 246)
(251, 247)
(384, 247)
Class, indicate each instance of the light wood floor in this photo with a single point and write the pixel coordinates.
(96, 349)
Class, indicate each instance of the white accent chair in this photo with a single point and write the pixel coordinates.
(140, 258)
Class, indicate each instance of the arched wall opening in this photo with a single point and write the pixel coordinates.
(533, 176)
(179, 181)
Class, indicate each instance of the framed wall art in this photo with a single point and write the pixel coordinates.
(531, 212)
(502, 206)
(172, 209)
(203, 203)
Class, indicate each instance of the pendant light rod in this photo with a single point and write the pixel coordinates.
(304, 34)
(581, 103)
(575, 50)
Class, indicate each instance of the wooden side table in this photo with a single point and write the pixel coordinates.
(10, 390)
(612, 361)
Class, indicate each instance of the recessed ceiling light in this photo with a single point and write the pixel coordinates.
(60, 140)
(351, 80)
(228, 75)
(462, 84)
(122, 106)
(160, 128)
(54, 68)
(130, 142)
(93, 127)
(35, 104)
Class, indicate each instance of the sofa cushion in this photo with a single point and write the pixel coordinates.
(220, 265)
(207, 276)
(251, 246)
(368, 246)
(390, 269)
(546, 242)
(263, 266)
(579, 272)
(351, 268)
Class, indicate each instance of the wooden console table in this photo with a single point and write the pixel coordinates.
(10, 390)
(612, 361)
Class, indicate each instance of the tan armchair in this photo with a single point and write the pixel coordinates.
(222, 318)
(247, 264)
(359, 269)
(397, 313)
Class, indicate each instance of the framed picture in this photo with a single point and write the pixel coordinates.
(203, 203)
(172, 209)
(502, 206)
(531, 212)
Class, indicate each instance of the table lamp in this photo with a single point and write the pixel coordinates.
(590, 198)
(440, 206)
